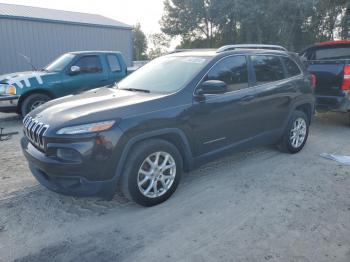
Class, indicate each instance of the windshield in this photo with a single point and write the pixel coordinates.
(60, 63)
(165, 74)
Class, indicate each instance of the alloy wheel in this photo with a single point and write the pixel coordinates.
(156, 174)
(298, 132)
(36, 104)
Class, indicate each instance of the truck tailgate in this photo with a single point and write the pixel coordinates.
(330, 76)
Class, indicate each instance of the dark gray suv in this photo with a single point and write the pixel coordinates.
(170, 116)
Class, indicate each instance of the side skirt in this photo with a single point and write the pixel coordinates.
(266, 138)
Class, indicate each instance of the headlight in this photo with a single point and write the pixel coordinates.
(6, 89)
(87, 128)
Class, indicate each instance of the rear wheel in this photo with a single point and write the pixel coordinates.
(296, 134)
(33, 101)
(152, 172)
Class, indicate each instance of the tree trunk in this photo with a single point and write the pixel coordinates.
(346, 27)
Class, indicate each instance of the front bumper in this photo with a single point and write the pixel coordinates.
(89, 177)
(8, 103)
(73, 185)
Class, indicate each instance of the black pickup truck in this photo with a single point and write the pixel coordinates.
(329, 62)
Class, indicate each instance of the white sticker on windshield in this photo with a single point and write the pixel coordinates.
(196, 60)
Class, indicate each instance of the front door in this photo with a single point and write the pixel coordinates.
(91, 75)
(221, 120)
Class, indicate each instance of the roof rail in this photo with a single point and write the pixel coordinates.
(250, 46)
(189, 50)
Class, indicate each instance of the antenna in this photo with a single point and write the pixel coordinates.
(29, 61)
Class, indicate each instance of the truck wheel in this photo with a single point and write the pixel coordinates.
(296, 134)
(152, 173)
(32, 102)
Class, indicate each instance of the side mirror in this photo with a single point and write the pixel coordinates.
(74, 70)
(212, 87)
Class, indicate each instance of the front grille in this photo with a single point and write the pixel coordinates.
(35, 131)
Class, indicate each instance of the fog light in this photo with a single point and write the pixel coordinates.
(68, 154)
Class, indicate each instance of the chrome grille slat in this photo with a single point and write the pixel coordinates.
(31, 131)
(36, 136)
(35, 131)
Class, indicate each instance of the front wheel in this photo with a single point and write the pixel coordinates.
(152, 173)
(33, 101)
(296, 133)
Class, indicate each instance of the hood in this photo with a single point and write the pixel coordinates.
(94, 106)
(26, 79)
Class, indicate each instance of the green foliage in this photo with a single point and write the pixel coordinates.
(140, 43)
(159, 45)
(294, 24)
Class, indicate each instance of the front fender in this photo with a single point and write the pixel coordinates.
(162, 133)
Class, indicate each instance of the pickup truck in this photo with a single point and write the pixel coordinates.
(71, 73)
(330, 63)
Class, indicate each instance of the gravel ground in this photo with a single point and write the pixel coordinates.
(259, 205)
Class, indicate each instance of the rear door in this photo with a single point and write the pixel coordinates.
(275, 91)
(92, 75)
(115, 68)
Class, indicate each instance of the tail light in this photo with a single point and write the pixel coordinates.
(346, 82)
(313, 81)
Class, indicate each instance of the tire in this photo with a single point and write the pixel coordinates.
(137, 167)
(33, 101)
(289, 145)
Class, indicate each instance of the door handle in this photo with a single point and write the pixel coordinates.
(247, 98)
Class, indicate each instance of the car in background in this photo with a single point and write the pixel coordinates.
(71, 73)
(330, 63)
(173, 114)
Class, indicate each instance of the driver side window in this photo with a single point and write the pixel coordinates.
(233, 71)
(89, 64)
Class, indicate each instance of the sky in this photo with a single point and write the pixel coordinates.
(146, 12)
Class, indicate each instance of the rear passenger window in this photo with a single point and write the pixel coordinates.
(113, 63)
(89, 64)
(291, 66)
(332, 53)
(267, 69)
(233, 71)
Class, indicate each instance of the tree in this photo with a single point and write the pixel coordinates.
(294, 24)
(346, 23)
(140, 43)
(191, 19)
(159, 45)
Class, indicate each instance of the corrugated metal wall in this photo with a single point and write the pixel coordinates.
(44, 41)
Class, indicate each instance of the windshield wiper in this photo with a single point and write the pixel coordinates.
(136, 90)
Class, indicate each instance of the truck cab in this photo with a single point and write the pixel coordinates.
(71, 73)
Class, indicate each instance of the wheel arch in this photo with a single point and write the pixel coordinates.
(306, 108)
(172, 135)
(32, 92)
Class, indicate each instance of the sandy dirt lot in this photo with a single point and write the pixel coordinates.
(259, 205)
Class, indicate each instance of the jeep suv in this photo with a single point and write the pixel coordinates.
(175, 113)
